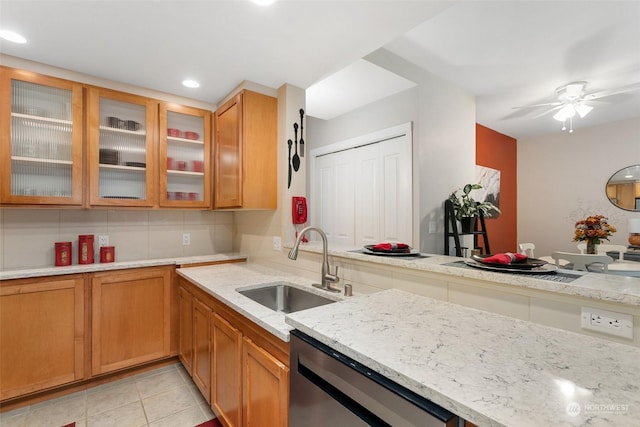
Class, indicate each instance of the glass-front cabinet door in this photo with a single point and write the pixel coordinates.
(122, 154)
(40, 139)
(185, 156)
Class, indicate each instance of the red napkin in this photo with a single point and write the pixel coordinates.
(389, 246)
(506, 258)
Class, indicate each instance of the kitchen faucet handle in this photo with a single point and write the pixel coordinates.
(332, 277)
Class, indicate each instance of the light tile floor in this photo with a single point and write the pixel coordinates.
(164, 397)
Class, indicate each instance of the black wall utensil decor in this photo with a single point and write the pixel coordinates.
(289, 162)
(296, 159)
(293, 163)
(301, 129)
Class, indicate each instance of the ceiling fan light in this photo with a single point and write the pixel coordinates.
(565, 113)
(583, 110)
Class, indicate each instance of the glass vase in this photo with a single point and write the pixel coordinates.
(591, 247)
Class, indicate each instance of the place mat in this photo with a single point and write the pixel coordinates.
(413, 255)
(554, 277)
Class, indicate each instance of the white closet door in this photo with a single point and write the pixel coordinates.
(367, 195)
(362, 189)
(325, 196)
(396, 176)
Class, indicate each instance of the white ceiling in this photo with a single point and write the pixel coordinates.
(507, 53)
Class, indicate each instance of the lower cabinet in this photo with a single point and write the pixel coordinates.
(266, 387)
(227, 371)
(42, 334)
(185, 308)
(131, 317)
(249, 373)
(202, 348)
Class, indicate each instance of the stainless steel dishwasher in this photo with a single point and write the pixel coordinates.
(330, 389)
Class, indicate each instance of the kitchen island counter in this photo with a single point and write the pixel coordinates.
(596, 286)
(490, 369)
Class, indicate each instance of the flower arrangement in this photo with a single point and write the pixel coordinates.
(593, 229)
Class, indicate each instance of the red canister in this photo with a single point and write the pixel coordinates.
(85, 249)
(107, 254)
(63, 253)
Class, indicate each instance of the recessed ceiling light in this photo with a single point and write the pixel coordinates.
(191, 83)
(263, 2)
(12, 36)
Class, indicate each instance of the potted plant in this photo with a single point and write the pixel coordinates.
(466, 209)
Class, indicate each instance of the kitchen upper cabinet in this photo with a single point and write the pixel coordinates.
(245, 153)
(226, 390)
(42, 334)
(131, 316)
(122, 149)
(266, 387)
(184, 157)
(41, 130)
(202, 347)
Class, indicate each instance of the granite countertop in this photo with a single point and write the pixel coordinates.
(598, 286)
(222, 281)
(121, 265)
(490, 369)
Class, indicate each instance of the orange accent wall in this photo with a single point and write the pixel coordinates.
(497, 151)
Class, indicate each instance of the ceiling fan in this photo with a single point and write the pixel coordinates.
(573, 99)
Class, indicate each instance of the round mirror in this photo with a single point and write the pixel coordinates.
(623, 188)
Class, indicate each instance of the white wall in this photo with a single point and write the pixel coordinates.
(562, 178)
(443, 117)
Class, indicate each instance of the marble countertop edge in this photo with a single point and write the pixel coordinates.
(119, 265)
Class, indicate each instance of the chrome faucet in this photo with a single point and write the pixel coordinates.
(327, 277)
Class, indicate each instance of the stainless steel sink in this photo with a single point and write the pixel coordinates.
(284, 298)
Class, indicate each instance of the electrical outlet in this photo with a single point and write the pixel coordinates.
(277, 243)
(186, 239)
(103, 241)
(433, 227)
(607, 322)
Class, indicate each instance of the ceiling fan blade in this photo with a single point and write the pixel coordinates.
(547, 112)
(548, 104)
(609, 92)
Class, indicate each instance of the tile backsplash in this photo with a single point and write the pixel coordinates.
(27, 236)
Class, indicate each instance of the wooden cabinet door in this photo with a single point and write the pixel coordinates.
(227, 372)
(131, 318)
(185, 308)
(202, 348)
(122, 141)
(228, 155)
(42, 334)
(266, 387)
(41, 138)
(184, 157)
(260, 153)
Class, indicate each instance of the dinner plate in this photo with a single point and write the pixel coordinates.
(526, 264)
(367, 250)
(543, 269)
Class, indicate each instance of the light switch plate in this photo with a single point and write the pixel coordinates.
(607, 322)
(186, 239)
